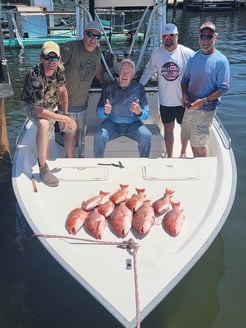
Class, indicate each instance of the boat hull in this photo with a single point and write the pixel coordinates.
(160, 261)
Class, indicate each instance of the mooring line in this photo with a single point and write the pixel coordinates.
(125, 244)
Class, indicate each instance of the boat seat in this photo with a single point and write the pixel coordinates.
(123, 146)
(120, 147)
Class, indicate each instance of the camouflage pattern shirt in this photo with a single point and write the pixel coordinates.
(41, 90)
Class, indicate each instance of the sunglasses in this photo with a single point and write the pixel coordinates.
(206, 37)
(49, 58)
(93, 36)
(166, 35)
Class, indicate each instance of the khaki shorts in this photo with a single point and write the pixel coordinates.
(80, 119)
(195, 126)
(31, 114)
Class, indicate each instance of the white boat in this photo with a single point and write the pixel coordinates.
(213, 4)
(128, 276)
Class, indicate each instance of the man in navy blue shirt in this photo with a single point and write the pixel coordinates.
(123, 105)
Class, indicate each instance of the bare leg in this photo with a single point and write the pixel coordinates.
(81, 140)
(69, 144)
(184, 144)
(169, 138)
(42, 141)
(43, 148)
(199, 151)
(48, 150)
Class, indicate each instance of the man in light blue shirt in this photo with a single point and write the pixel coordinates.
(123, 105)
(205, 80)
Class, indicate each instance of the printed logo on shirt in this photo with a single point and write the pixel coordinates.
(170, 71)
(87, 70)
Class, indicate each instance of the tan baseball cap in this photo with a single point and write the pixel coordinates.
(50, 46)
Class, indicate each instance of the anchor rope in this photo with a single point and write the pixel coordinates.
(125, 244)
(137, 298)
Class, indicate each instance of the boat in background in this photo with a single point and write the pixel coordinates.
(30, 26)
(215, 5)
(128, 275)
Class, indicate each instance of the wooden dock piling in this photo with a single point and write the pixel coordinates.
(5, 158)
(5, 91)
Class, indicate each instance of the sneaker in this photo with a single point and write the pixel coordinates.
(47, 177)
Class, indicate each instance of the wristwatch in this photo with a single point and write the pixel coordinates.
(205, 100)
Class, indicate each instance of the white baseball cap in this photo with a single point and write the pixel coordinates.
(170, 28)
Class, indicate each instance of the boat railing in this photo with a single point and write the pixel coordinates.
(223, 134)
(159, 9)
(22, 131)
(17, 34)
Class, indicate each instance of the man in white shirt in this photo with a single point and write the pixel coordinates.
(169, 62)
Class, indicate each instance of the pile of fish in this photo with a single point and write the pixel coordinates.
(122, 213)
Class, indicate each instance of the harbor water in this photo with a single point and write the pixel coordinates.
(35, 291)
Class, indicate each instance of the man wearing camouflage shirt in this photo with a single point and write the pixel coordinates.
(44, 87)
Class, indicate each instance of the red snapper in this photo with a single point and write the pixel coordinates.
(94, 201)
(75, 220)
(144, 218)
(121, 220)
(120, 195)
(95, 223)
(162, 204)
(136, 200)
(173, 220)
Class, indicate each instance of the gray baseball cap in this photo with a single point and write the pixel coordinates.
(94, 25)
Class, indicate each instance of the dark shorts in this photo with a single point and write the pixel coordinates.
(169, 114)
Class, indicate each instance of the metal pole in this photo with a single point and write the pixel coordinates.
(92, 8)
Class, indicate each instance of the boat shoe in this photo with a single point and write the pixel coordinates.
(47, 177)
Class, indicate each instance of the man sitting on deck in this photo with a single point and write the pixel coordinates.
(123, 105)
(39, 101)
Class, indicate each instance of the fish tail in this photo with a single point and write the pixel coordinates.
(169, 191)
(124, 186)
(175, 203)
(104, 193)
(138, 190)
